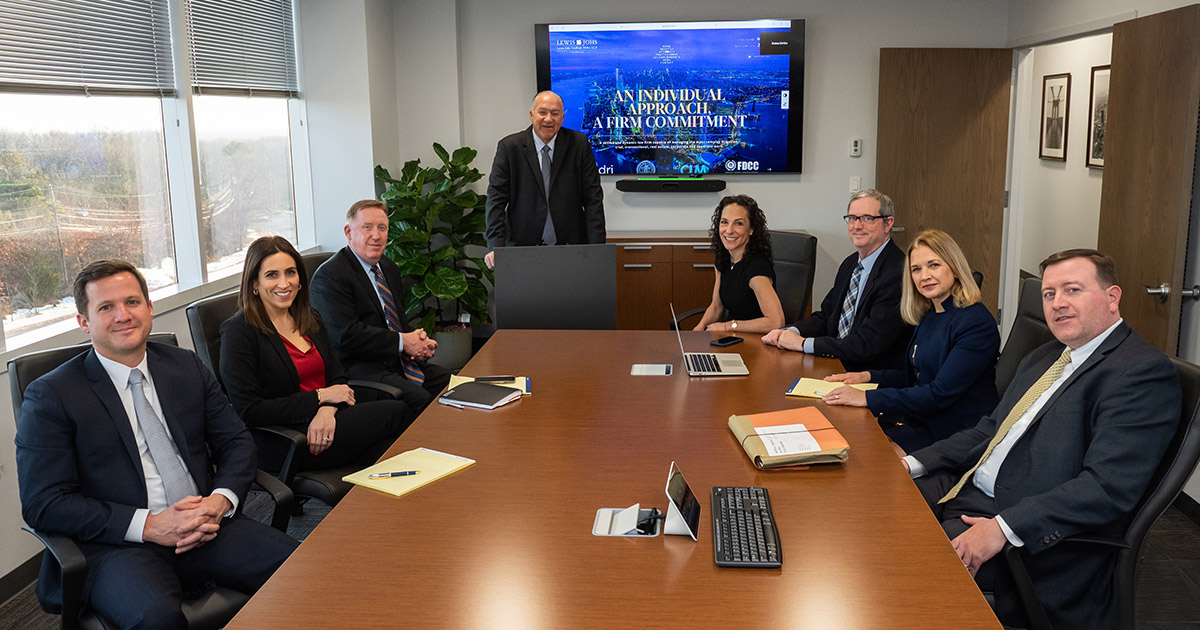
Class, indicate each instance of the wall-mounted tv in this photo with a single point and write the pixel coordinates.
(681, 97)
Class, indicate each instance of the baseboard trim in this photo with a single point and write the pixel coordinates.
(1189, 507)
(24, 575)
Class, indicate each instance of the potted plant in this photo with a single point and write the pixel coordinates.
(434, 218)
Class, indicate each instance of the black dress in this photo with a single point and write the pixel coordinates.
(736, 295)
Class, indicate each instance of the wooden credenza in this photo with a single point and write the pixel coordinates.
(657, 268)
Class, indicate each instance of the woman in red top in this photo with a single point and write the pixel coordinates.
(279, 367)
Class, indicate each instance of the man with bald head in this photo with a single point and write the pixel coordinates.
(544, 188)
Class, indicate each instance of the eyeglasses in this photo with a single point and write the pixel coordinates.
(868, 219)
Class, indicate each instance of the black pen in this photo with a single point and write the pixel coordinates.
(388, 475)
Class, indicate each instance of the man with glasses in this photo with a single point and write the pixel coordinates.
(859, 321)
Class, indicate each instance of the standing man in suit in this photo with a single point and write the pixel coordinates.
(544, 188)
(132, 450)
(859, 321)
(358, 293)
(1070, 449)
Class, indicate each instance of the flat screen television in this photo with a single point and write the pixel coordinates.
(681, 98)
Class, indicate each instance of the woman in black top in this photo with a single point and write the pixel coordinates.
(745, 270)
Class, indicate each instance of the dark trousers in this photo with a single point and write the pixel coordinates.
(142, 585)
(361, 434)
(416, 395)
(970, 501)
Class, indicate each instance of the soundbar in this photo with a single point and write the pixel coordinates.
(670, 184)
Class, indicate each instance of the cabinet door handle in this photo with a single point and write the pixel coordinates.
(709, 266)
(701, 248)
(642, 266)
(632, 248)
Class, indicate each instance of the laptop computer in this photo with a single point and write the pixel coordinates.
(710, 363)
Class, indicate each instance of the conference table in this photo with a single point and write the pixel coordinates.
(508, 543)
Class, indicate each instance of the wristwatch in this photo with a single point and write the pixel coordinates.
(735, 324)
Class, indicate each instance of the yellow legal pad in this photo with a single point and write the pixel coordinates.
(523, 383)
(817, 388)
(433, 466)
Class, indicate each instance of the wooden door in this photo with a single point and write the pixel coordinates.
(943, 147)
(1149, 160)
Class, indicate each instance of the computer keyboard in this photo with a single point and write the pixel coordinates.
(744, 533)
(700, 362)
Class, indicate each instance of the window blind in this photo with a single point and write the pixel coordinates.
(86, 47)
(243, 47)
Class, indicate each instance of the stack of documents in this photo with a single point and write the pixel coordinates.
(817, 388)
(789, 438)
(429, 465)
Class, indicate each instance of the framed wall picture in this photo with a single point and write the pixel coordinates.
(1097, 116)
(1056, 102)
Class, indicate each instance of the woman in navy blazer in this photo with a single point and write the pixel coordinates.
(949, 380)
(279, 367)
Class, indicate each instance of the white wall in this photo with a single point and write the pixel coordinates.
(1060, 201)
(841, 87)
(1037, 21)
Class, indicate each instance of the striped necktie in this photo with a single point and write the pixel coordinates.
(1035, 391)
(177, 482)
(549, 236)
(411, 369)
(848, 304)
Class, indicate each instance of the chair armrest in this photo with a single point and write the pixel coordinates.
(392, 392)
(684, 315)
(1035, 613)
(293, 441)
(282, 495)
(72, 565)
(1097, 540)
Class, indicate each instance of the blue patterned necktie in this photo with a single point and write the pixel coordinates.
(849, 303)
(549, 237)
(411, 369)
(176, 481)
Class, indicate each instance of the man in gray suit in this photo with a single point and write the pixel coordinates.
(1070, 449)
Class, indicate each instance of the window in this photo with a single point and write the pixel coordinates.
(87, 88)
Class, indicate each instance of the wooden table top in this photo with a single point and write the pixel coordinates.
(507, 543)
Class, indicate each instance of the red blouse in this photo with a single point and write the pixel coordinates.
(309, 365)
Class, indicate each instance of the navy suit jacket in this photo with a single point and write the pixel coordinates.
(261, 377)
(77, 461)
(516, 198)
(877, 335)
(1082, 466)
(349, 305)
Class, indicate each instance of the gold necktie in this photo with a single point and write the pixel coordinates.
(1036, 390)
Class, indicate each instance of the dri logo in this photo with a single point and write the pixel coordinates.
(605, 170)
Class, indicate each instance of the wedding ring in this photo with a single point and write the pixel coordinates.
(324, 439)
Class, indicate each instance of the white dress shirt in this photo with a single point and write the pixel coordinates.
(156, 494)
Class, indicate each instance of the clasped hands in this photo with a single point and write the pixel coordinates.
(189, 523)
(784, 338)
(418, 346)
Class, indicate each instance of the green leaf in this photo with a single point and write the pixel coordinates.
(383, 175)
(446, 283)
(427, 321)
(441, 152)
(414, 265)
(414, 297)
(463, 156)
(445, 253)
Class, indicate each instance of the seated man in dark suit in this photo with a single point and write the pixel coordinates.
(859, 321)
(1070, 449)
(358, 293)
(132, 450)
(544, 188)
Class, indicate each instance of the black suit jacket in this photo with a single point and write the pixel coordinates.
(261, 378)
(516, 199)
(77, 460)
(345, 297)
(877, 336)
(1082, 466)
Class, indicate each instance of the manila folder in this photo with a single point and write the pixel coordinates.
(789, 438)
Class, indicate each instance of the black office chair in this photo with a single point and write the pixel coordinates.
(567, 287)
(1173, 471)
(279, 447)
(314, 260)
(213, 607)
(978, 277)
(795, 265)
(1029, 331)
